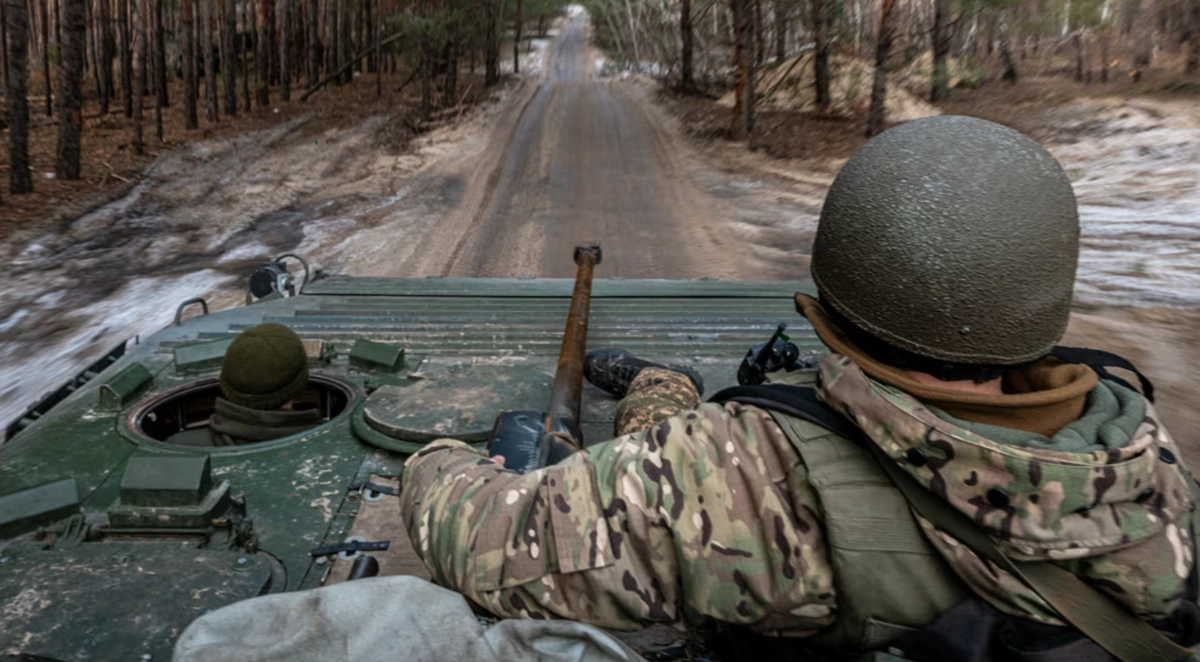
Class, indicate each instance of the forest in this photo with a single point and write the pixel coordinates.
(73, 60)
(702, 45)
(203, 59)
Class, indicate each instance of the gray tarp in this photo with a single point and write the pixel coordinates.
(392, 619)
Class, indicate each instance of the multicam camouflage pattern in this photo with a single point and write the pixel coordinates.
(706, 515)
(709, 514)
(1116, 518)
(654, 396)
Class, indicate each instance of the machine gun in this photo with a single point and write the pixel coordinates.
(529, 440)
(768, 357)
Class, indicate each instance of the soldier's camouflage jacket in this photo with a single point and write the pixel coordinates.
(710, 514)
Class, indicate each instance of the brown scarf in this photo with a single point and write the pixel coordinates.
(1042, 398)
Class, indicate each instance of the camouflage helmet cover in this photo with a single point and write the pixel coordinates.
(953, 238)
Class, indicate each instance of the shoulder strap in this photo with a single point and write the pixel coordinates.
(1110, 625)
(798, 401)
(1117, 630)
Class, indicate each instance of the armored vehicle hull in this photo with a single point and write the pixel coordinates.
(112, 539)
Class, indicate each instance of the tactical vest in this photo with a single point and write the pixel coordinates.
(890, 580)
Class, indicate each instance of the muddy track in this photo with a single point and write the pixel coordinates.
(581, 159)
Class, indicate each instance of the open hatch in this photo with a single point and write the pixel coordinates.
(190, 406)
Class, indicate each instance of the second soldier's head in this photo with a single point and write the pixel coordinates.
(948, 246)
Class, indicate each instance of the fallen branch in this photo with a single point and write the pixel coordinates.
(113, 173)
(462, 102)
(411, 78)
(348, 64)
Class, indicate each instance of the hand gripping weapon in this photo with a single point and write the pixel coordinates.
(530, 440)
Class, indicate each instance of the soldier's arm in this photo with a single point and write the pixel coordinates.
(707, 515)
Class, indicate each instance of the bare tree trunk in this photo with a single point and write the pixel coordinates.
(760, 41)
(370, 36)
(346, 41)
(743, 56)
(687, 78)
(379, 48)
(17, 30)
(1192, 64)
(314, 41)
(106, 57)
(138, 29)
(244, 57)
(158, 39)
(491, 52)
(187, 19)
(161, 71)
(70, 95)
(4, 42)
(753, 10)
(517, 40)
(333, 52)
(940, 36)
(285, 49)
(820, 21)
(89, 30)
(883, 48)
(363, 23)
(126, 55)
(1077, 42)
(263, 55)
(272, 44)
(633, 35)
(210, 69)
(1104, 38)
(1010, 69)
(780, 31)
(46, 58)
(229, 57)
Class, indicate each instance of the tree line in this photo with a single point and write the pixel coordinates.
(736, 38)
(231, 56)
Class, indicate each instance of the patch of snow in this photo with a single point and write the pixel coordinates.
(141, 307)
(246, 251)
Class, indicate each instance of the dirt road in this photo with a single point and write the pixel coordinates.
(560, 156)
(583, 160)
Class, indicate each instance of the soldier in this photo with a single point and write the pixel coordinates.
(264, 369)
(953, 491)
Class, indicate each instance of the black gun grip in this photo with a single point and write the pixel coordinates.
(517, 436)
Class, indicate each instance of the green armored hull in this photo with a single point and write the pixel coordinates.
(112, 540)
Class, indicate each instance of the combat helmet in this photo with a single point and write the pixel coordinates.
(954, 239)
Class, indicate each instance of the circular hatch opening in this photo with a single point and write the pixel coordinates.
(189, 407)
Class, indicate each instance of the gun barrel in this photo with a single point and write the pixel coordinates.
(567, 392)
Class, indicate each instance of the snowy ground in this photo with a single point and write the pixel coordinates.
(207, 214)
(1135, 165)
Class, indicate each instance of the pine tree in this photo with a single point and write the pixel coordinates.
(883, 48)
(263, 54)
(285, 49)
(70, 90)
(210, 69)
(187, 24)
(139, 27)
(229, 56)
(19, 178)
(126, 55)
